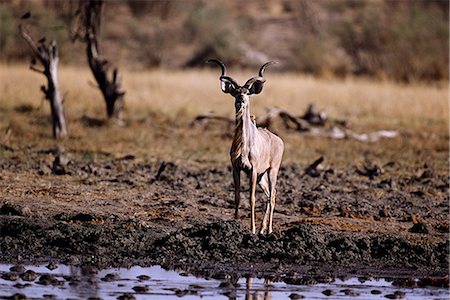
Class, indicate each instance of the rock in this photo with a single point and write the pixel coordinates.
(350, 292)
(28, 276)
(51, 266)
(363, 279)
(141, 288)
(196, 286)
(143, 277)
(18, 268)
(226, 284)
(419, 227)
(47, 279)
(110, 277)
(329, 292)
(375, 292)
(396, 295)
(10, 276)
(21, 286)
(294, 296)
(181, 293)
(126, 296)
(82, 217)
(10, 209)
(17, 296)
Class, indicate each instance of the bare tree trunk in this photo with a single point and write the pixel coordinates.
(49, 57)
(110, 86)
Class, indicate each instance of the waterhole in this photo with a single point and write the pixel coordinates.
(56, 281)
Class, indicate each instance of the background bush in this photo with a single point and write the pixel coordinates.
(401, 40)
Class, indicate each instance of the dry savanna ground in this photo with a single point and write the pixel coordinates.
(161, 104)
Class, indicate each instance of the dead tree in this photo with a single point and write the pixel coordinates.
(88, 30)
(47, 55)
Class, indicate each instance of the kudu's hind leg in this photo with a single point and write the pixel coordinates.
(273, 173)
(265, 186)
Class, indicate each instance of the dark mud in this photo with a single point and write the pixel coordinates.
(122, 212)
(226, 245)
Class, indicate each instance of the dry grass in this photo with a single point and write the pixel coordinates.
(160, 105)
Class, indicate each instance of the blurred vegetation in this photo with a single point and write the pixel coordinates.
(401, 40)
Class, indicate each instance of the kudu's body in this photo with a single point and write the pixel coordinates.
(256, 151)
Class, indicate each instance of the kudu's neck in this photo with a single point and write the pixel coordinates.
(243, 134)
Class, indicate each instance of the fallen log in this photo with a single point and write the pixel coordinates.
(311, 123)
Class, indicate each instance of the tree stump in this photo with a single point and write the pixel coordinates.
(48, 56)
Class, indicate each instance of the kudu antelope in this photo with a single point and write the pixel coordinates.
(256, 151)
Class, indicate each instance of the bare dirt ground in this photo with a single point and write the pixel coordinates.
(99, 198)
(119, 211)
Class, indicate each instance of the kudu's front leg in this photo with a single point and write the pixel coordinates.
(237, 191)
(253, 179)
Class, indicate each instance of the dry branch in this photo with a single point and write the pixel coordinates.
(48, 56)
(311, 123)
(211, 116)
(290, 121)
(312, 169)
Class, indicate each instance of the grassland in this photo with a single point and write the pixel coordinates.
(160, 106)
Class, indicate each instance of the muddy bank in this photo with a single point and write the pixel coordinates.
(303, 244)
(221, 245)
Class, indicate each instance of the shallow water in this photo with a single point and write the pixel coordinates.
(82, 283)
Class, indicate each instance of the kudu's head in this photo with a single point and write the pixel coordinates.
(241, 94)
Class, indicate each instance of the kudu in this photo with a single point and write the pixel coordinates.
(256, 151)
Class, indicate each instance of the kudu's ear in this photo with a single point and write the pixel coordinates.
(227, 84)
(256, 84)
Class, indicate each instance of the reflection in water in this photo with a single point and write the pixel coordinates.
(255, 294)
(157, 283)
(84, 281)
